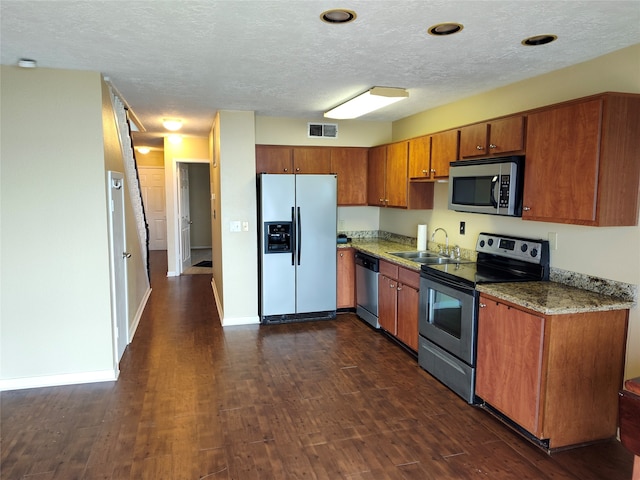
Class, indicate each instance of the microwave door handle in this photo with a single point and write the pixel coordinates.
(495, 188)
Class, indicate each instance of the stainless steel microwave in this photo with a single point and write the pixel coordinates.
(491, 185)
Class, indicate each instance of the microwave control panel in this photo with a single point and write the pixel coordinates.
(505, 183)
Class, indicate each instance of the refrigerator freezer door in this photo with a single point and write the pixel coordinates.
(316, 199)
(278, 274)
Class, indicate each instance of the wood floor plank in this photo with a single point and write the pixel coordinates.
(312, 400)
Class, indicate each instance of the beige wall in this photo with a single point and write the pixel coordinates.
(55, 303)
(155, 158)
(612, 252)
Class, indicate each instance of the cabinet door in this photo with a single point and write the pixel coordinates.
(375, 176)
(346, 281)
(444, 150)
(350, 165)
(509, 372)
(273, 159)
(506, 135)
(561, 170)
(387, 304)
(420, 157)
(408, 309)
(396, 180)
(473, 140)
(312, 160)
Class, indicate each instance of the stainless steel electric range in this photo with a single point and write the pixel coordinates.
(448, 320)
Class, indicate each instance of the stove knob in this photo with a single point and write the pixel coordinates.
(534, 252)
(490, 241)
(524, 247)
(482, 243)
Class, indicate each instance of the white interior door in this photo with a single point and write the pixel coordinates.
(184, 215)
(118, 259)
(153, 195)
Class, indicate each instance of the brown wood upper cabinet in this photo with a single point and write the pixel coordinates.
(273, 159)
(387, 175)
(582, 162)
(350, 165)
(444, 150)
(496, 137)
(420, 158)
(311, 160)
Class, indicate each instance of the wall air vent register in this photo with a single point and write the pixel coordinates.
(324, 130)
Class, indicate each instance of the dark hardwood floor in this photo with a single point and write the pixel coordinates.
(317, 400)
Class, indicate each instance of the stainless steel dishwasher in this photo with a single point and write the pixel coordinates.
(367, 268)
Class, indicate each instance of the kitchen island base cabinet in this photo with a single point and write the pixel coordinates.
(556, 376)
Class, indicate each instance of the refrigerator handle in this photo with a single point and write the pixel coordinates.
(293, 236)
(299, 236)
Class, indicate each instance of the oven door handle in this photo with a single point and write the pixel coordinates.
(447, 283)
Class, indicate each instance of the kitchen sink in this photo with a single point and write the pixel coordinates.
(414, 255)
(427, 258)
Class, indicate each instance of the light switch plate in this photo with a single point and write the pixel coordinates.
(553, 241)
(234, 226)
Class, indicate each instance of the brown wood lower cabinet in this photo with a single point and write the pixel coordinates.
(557, 376)
(398, 302)
(346, 281)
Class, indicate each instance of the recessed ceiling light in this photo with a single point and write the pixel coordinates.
(539, 40)
(445, 29)
(172, 124)
(27, 63)
(338, 15)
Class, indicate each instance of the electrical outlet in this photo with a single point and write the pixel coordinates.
(234, 226)
(462, 228)
(553, 241)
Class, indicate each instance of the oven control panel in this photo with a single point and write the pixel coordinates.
(528, 250)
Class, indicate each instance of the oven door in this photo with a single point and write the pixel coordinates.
(448, 315)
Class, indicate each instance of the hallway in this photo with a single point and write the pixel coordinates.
(327, 400)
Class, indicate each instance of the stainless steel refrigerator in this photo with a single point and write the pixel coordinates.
(297, 247)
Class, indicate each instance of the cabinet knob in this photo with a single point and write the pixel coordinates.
(342, 254)
(391, 285)
(482, 305)
(433, 170)
(479, 147)
(297, 169)
(491, 145)
(286, 169)
(399, 287)
(381, 200)
(526, 209)
(425, 171)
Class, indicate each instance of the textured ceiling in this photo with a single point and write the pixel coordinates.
(188, 59)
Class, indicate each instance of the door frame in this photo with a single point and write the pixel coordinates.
(174, 264)
(119, 295)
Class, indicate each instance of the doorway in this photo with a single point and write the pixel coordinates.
(194, 216)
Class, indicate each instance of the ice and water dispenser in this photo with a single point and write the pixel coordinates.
(278, 237)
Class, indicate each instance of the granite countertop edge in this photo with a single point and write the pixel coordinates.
(548, 298)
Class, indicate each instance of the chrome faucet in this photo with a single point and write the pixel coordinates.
(446, 240)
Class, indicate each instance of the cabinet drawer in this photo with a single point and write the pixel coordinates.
(389, 269)
(409, 277)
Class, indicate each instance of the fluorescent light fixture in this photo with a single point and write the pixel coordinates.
(373, 99)
(143, 150)
(175, 139)
(172, 124)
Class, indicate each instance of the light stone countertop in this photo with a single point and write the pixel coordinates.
(548, 298)
(552, 298)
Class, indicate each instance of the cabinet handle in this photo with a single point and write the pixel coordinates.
(482, 305)
(479, 147)
(526, 209)
(491, 145)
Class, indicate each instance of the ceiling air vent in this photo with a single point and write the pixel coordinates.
(325, 130)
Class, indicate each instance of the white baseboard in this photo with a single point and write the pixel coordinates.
(136, 320)
(172, 274)
(58, 380)
(230, 322)
(226, 321)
